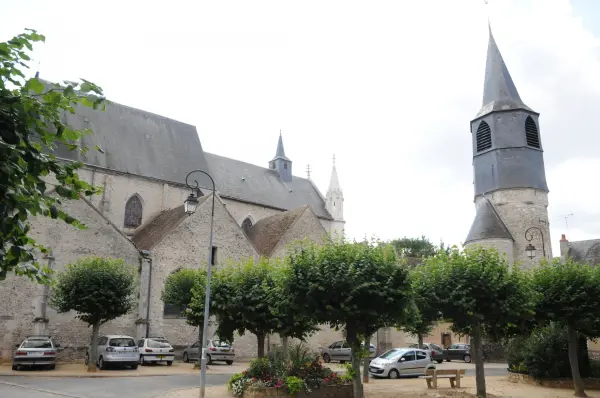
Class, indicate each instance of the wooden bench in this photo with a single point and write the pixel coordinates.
(432, 376)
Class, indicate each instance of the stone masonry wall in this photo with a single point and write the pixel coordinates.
(21, 297)
(521, 209)
(307, 226)
(505, 246)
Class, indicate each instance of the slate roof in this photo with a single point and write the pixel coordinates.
(267, 232)
(585, 251)
(250, 183)
(487, 223)
(500, 92)
(156, 230)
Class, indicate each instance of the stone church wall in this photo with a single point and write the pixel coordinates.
(21, 297)
(240, 210)
(307, 226)
(502, 245)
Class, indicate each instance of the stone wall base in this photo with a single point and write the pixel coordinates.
(590, 384)
(340, 391)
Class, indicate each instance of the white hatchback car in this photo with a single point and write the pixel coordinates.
(401, 362)
(156, 349)
(115, 350)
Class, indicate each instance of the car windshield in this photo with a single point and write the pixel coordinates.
(219, 343)
(121, 342)
(37, 344)
(392, 354)
(158, 343)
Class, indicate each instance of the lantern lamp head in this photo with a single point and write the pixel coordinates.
(190, 204)
(530, 251)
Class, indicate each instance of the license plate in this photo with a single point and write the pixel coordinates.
(225, 350)
(161, 357)
(35, 354)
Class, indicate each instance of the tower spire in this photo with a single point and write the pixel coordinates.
(281, 163)
(499, 91)
(334, 182)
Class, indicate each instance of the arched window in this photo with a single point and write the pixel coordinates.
(133, 212)
(483, 137)
(247, 224)
(531, 133)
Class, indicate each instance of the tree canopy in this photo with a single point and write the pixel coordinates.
(98, 290)
(569, 294)
(359, 287)
(179, 286)
(30, 128)
(481, 294)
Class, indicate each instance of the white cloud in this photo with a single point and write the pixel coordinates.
(389, 86)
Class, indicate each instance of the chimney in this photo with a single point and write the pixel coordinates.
(564, 246)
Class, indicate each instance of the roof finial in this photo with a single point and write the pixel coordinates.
(334, 159)
(280, 132)
(308, 171)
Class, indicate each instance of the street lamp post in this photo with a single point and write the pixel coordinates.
(190, 205)
(530, 249)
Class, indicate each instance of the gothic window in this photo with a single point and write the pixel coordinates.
(483, 137)
(531, 133)
(133, 212)
(271, 165)
(246, 225)
(285, 165)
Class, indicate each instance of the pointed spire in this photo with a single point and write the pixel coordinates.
(334, 182)
(499, 92)
(280, 154)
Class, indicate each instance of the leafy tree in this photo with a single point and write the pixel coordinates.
(481, 295)
(240, 301)
(179, 291)
(423, 313)
(414, 247)
(570, 295)
(99, 290)
(30, 128)
(358, 287)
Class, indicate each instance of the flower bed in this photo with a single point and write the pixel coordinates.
(300, 375)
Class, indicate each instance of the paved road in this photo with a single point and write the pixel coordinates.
(129, 387)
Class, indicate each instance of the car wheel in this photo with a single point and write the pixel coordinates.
(208, 359)
(87, 359)
(326, 358)
(393, 374)
(52, 367)
(15, 367)
(448, 360)
(342, 362)
(467, 358)
(142, 362)
(101, 363)
(440, 361)
(169, 363)
(186, 359)
(229, 362)
(134, 366)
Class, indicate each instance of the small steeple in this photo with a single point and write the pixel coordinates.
(281, 163)
(335, 197)
(334, 182)
(499, 92)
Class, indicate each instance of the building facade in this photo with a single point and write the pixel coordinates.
(511, 193)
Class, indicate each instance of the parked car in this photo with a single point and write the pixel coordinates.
(340, 351)
(115, 350)
(218, 350)
(435, 351)
(35, 351)
(155, 350)
(458, 351)
(401, 362)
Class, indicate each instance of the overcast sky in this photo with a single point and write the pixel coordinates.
(388, 86)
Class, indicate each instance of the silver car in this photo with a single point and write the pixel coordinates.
(115, 350)
(340, 351)
(401, 362)
(34, 351)
(435, 351)
(156, 349)
(218, 350)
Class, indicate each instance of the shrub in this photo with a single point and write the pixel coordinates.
(544, 354)
(294, 384)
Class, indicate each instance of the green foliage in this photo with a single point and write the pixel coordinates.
(423, 313)
(30, 128)
(544, 353)
(478, 286)
(414, 247)
(98, 289)
(179, 291)
(299, 354)
(294, 384)
(569, 294)
(236, 377)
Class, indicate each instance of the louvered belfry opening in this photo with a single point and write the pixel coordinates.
(531, 133)
(483, 137)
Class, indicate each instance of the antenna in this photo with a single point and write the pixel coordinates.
(308, 171)
(567, 219)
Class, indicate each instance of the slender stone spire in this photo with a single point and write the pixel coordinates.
(280, 154)
(334, 182)
(499, 92)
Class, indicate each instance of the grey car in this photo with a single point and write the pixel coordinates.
(115, 350)
(340, 351)
(401, 362)
(435, 351)
(218, 350)
(35, 351)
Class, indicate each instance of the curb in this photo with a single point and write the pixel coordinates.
(103, 375)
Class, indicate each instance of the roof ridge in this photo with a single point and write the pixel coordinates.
(251, 164)
(290, 225)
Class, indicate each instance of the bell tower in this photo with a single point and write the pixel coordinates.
(335, 204)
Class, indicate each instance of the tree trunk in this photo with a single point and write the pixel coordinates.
(261, 345)
(201, 344)
(94, 354)
(285, 347)
(365, 376)
(477, 342)
(574, 361)
(420, 340)
(355, 348)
